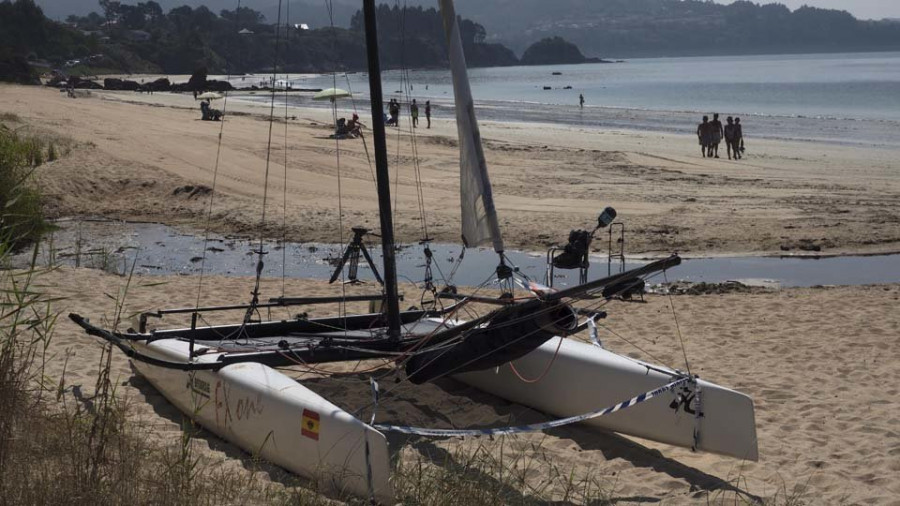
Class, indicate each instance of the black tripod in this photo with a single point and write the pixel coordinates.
(352, 252)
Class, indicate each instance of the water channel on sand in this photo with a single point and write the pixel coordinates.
(162, 250)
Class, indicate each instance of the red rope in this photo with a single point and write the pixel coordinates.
(547, 370)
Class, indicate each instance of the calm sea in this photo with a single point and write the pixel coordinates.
(839, 98)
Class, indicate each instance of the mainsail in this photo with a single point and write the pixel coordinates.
(479, 217)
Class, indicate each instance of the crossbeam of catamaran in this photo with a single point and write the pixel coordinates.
(325, 340)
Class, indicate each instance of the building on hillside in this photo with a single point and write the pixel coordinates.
(138, 35)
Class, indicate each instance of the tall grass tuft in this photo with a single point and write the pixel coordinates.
(21, 218)
(36, 152)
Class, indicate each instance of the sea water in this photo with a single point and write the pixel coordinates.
(851, 99)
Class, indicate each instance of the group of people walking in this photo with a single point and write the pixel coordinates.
(393, 117)
(711, 134)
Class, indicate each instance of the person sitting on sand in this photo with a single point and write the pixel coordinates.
(729, 138)
(209, 114)
(394, 110)
(354, 127)
(703, 134)
(716, 134)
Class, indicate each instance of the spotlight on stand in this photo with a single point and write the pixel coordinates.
(606, 217)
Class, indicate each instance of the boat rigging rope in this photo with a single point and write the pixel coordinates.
(287, 51)
(687, 364)
(515, 371)
(212, 192)
(594, 307)
(254, 301)
(620, 336)
(409, 352)
(342, 306)
(356, 111)
(406, 89)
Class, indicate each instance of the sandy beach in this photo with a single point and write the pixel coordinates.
(136, 150)
(820, 363)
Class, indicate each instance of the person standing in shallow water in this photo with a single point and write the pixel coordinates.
(716, 133)
(703, 136)
(581, 100)
(428, 111)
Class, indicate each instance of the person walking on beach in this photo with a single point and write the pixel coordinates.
(581, 100)
(729, 138)
(414, 111)
(703, 133)
(428, 112)
(715, 136)
(738, 139)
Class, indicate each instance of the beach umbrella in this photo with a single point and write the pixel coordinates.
(331, 94)
(209, 95)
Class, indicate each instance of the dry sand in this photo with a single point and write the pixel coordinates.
(136, 150)
(821, 364)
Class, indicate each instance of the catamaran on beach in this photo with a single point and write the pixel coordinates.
(226, 376)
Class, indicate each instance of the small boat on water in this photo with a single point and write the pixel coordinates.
(226, 377)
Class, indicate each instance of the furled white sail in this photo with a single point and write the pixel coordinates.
(479, 217)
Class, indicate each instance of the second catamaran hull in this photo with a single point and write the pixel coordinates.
(585, 378)
(272, 416)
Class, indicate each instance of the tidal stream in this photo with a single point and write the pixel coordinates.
(156, 249)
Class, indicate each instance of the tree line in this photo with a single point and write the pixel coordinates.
(142, 38)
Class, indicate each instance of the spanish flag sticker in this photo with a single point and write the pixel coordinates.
(309, 425)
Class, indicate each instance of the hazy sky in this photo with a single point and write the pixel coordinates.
(866, 9)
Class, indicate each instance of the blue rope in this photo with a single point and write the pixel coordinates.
(537, 426)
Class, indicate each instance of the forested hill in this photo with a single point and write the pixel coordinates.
(143, 38)
(629, 28)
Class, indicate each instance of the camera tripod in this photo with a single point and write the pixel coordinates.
(351, 254)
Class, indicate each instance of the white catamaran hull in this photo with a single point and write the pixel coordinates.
(585, 378)
(270, 415)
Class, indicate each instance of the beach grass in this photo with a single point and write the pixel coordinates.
(21, 217)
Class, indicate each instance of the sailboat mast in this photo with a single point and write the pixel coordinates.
(381, 172)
